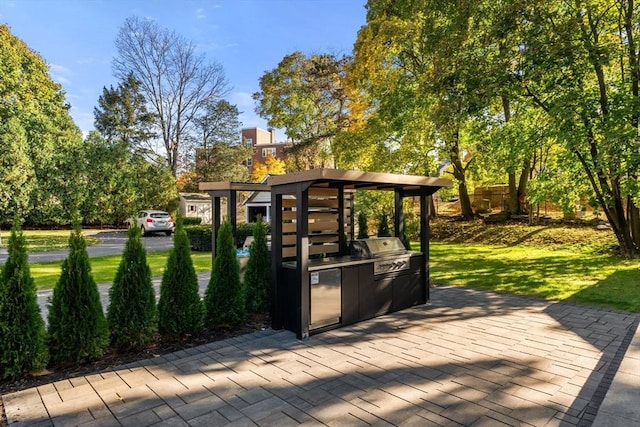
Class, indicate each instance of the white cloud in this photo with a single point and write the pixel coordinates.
(59, 69)
(200, 13)
(243, 100)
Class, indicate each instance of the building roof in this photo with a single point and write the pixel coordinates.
(204, 197)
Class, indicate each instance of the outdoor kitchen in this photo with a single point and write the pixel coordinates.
(323, 278)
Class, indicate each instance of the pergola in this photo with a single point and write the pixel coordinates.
(316, 185)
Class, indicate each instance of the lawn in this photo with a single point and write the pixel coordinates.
(554, 273)
(104, 268)
(48, 240)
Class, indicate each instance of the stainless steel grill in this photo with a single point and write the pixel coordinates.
(389, 253)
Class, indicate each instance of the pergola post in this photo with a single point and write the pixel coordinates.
(424, 243)
(302, 256)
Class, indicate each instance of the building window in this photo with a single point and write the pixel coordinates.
(267, 151)
(249, 162)
(249, 142)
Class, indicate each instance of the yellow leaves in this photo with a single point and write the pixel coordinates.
(271, 166)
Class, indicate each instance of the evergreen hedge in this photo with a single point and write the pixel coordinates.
(363, 228)
(225, 299)
(77, 326)
(383, 226)
(180, 309)
(200, 237)
(132, 314)
(257, 275)
(22, 332)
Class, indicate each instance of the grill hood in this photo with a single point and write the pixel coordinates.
(377, 247)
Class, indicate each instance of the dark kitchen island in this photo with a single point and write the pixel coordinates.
(322, 278)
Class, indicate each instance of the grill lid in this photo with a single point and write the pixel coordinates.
(377, 247)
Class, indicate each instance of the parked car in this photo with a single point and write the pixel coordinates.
(151, 221)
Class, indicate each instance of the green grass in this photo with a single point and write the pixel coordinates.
(48, 240)
(104, 268)
(551, 273)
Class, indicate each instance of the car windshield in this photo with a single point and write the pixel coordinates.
(159, 215)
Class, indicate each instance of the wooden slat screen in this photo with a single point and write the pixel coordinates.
(323, 223)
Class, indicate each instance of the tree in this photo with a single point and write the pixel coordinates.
(581, 68)
(122, 115)
(176, 81)
(38, 135)
(225, 299)
(420, 62)
(271, 166)
(383, 226)
(180, 309)
(219, 152)
(257, 275)
(77, 327)
(16, 169)
(119, 182)
(363, 226)
(305, 95)
(132, 314)
(22, 333)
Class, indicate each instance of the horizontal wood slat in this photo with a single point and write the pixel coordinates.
(290, 251)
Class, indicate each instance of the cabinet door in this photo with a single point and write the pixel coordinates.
(406, 291)
(350, 295)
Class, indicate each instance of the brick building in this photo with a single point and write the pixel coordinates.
(263, 143)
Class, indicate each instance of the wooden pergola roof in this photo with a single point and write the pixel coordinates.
(358, 180)
(232, 186)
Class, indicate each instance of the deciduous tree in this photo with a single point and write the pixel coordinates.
(305, 95)
(175, 80)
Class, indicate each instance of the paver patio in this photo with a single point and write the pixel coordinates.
(470, 358)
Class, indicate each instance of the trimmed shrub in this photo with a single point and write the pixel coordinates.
(77, 327)
(132, 315)
(225, 298)
(23, 346)
(257, 276)
(200, 237)
(363, 228)
(180, 308)
(383, 226)
(187, 221)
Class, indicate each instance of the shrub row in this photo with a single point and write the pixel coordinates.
(78, 330)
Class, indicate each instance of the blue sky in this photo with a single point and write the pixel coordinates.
(248, 37)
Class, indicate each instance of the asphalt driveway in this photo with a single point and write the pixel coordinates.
(111, 243)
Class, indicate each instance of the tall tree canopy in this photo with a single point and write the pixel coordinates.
(305, 95)
(122, 115)
(218, 149)
(174, 79)
(40, 176)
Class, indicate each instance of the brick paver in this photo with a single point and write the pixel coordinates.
(469, 358)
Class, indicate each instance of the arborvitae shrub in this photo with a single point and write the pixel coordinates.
(23, 346)
(132, 314)
(383, 226)
(257, 276)
(77, 327)
(180, 309)
(225, 297)
(363, 231)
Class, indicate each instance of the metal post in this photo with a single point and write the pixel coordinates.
(276, 260)
(424, 244)
(302, 255)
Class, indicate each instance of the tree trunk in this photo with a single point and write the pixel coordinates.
(432, 208)
(522, 185)
(459, 172)
(513, 203)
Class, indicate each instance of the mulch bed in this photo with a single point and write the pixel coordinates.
(113, 360)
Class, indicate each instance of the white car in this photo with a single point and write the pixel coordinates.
(151, 221)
